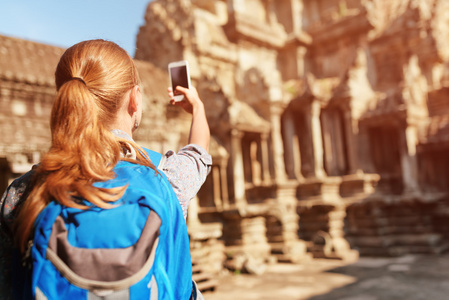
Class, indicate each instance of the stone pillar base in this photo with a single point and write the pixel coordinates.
(247, 247)
(324, 246)
(292, 252)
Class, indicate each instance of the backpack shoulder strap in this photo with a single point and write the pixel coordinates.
(157, 158)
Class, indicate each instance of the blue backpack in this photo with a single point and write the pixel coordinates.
(136, 250)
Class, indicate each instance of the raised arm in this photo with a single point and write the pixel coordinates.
(199, 129)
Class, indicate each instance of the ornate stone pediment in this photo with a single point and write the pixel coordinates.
(244, 118)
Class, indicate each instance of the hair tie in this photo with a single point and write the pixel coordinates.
(79, 79)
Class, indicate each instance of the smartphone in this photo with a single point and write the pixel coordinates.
(179, 75)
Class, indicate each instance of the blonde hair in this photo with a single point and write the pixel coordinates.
(92, 78)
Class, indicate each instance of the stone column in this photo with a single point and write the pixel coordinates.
(328, 143)
(297, 157)
(300, 61)
(313, 118)
(287, 246)
(340, 245)
(270, 11)
(256, 168)
(409, 164)
(278, 148)
(224, 186)
(292, 166)
(254, 239)
(217, 187)
(192, 212)
(289, 132)
(339, 143)
(265, 158)
(351, 131)
(237, 166)
(297, 11)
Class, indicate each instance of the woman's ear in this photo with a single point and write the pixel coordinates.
(133, 104)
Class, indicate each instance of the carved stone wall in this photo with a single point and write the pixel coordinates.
(349, 91)
(26, 95)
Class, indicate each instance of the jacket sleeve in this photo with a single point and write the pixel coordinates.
(12, 198)
(186, 171)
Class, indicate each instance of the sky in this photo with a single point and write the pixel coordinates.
(65, 22)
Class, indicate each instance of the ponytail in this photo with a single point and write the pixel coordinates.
(83, 150)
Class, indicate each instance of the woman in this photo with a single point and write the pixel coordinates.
(97, 108)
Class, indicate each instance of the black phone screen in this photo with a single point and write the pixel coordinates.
(179, 77)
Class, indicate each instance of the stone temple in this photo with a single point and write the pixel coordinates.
(330, 123)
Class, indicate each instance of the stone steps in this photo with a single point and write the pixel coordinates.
(204, 280)
(378, 229)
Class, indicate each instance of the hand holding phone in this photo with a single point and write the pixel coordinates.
(191, 101)
(179, 76)
(199, 128)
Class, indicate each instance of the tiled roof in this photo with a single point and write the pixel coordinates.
(27, 61)
(32, 62)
